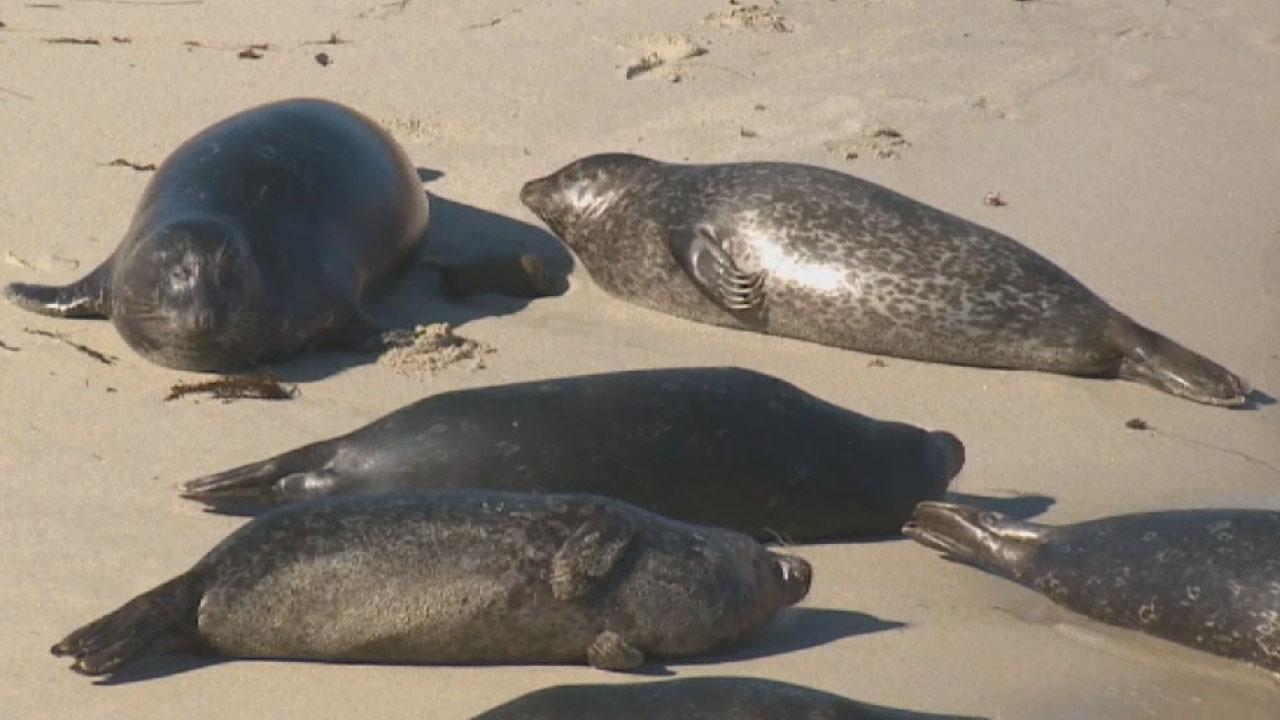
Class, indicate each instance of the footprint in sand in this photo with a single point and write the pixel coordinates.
(760, 18)
(415, 130)
(870, 139)
(662, 51)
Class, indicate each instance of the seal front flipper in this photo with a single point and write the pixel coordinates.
(610, 651)
(716, 274)
(1153, 359)
(84, 298)
(296, 475)
(590, 552)
(168, 611)
(362, 334)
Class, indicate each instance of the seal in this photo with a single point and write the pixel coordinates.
(717, 446)
(818, 255)
(702, 698)
(256, 238)
(457, 577)
(1208, 579)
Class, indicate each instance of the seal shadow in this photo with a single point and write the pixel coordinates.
(1019, 506)
(1257, 399)
(458, 233)
(152, 667)
(800, 628)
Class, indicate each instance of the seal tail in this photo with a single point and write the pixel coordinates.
(84, 298)
(289, 477)
(1155, 360)
(978, 537)
(112, 640)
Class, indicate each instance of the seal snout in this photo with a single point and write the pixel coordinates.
(531, 193)
(796, 574)
(952, 452)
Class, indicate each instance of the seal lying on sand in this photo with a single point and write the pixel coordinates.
(458, 577)
(256, 238)
(720, 446)
(704, 698)
(815, 254)
(1209, 579)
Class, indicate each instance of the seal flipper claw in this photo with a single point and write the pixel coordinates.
(716, 274)
(610, 651)
(84, 298)
(590, 552)
(289, 477)
(112, 640)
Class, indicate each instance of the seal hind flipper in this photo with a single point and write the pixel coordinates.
(288, 477)
(112, 640)
(610, 651)
(975, 536)
(1153, 359)
(715, 273)
(84, 298)
(590, 552)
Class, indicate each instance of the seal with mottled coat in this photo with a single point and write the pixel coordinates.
(702, 698)
(458, 576)
(815, 254)
(720, 446)
(1209, 579)
(258, 237)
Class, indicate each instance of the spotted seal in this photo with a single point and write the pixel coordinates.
(702, 698)
(458, 576)
(1209, 579)
(814, 254)
(720, 446)
(256, 238)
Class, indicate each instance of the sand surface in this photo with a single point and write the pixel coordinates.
(1135, 143)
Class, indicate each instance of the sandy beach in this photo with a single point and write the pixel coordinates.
(1135, 144)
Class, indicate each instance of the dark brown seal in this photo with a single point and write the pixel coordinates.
(256, 238)
(457, 577)
(703, 698)
(818, 255)
(720, 446)
(1209, 579)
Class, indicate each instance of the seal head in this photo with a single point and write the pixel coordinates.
(191, 295)
(583, 190)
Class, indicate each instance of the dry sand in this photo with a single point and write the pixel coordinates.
(1134, 142)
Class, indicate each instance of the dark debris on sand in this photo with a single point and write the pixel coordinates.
(236, 387)
(140, 167)
(101, 357)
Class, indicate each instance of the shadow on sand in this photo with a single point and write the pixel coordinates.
(1018, 506)
(458, 233)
